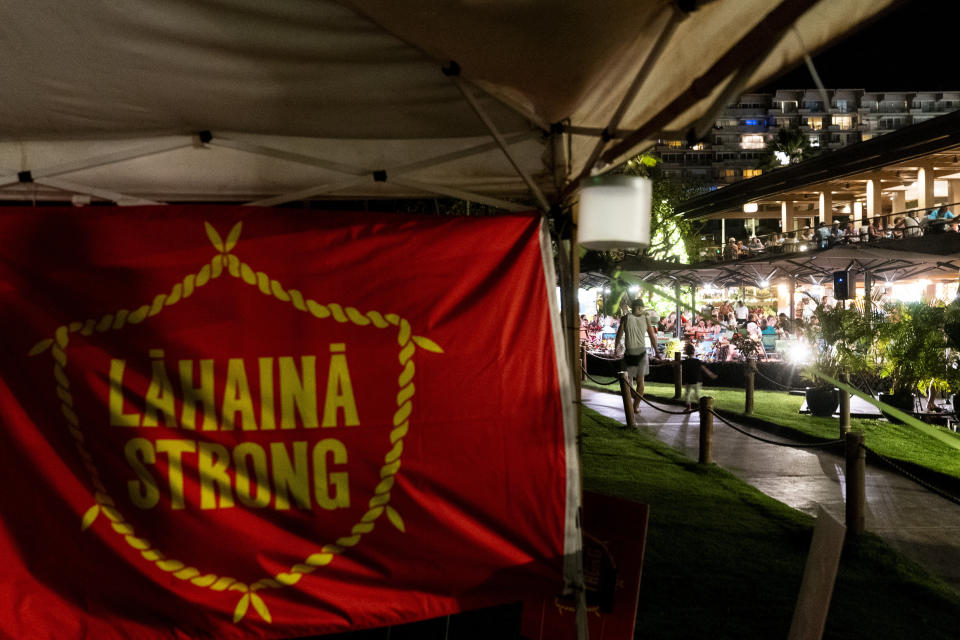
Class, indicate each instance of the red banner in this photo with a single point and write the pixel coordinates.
(244, 422)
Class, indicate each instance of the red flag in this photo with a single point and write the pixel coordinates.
(262, 423)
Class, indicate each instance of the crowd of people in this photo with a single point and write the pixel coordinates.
(710, 332)
(718, 333)
(825, 236)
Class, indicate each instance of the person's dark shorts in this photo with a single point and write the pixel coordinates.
(634, 361)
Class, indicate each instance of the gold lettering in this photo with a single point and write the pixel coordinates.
(236, 398)
(117, 417)
(143, 491)
(322, 480)
(298, 391)
(339, 391)
(267, 419)
(175, 450)
(213, 460)
(193, 395)
(159, 398)
(292, 476)
(245, 492)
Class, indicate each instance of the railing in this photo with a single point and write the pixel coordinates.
(809, 239)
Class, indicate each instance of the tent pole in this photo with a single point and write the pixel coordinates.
(568, 259)
(339, 167)
(452, 70)
(764, 36)
(460, 193)
(653, 56)
(733, 89)
(119, 198)
(309, 192)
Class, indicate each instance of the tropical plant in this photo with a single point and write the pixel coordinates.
(672, 237)
(842, 342)
(789, 146)
(913, 347)
(951, 328)
(672, 347)
(951, 323)
(615, 291)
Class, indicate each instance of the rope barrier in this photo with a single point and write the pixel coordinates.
(590, 377)
(910, 476)
(599, 357)
(662, 363)
(675, 413)
(779, 384)
(826, 443)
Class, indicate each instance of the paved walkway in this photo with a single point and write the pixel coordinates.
(918, 523)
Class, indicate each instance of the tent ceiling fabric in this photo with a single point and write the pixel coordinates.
(358, 83)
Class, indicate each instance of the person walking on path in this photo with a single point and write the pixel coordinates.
(634, 329)
(691, 370)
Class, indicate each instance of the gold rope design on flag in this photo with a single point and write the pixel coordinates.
(378, 504)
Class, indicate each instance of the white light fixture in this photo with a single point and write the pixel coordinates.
(799, 353)
(750, 207)
(614, 213)
(764, 284)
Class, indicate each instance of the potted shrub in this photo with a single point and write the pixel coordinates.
(913, 347)
(841, 343)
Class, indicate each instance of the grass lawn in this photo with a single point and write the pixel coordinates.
(725, 561)
(896, 441)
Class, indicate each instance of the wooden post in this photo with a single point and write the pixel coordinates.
(679, 328)
(677, 375)
(627, 399)
(793, 289)
(748, 374)
(868, 297)
(706, 430)
(844, 407)
(583, 362)
(856, 483)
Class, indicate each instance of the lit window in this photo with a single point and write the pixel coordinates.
(866, 136)
(750, 173)
(730, 173)
(697, 147)
(815, 123)
(675, 144)
(752, 142)
(843, 122)
(814, 141)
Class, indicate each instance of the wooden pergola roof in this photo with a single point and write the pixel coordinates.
(895, 156)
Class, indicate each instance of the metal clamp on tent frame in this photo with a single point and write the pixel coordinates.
(362, 175)
(49, 176)
(452, 71)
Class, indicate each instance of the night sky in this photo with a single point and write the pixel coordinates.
(915, 47)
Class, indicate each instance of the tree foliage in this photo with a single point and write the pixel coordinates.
(913, 344)
(792, 144)
(669, 231)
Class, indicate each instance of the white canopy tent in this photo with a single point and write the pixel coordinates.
(503, 103)
(266, 103)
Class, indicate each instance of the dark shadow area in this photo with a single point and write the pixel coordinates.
(501, 621)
